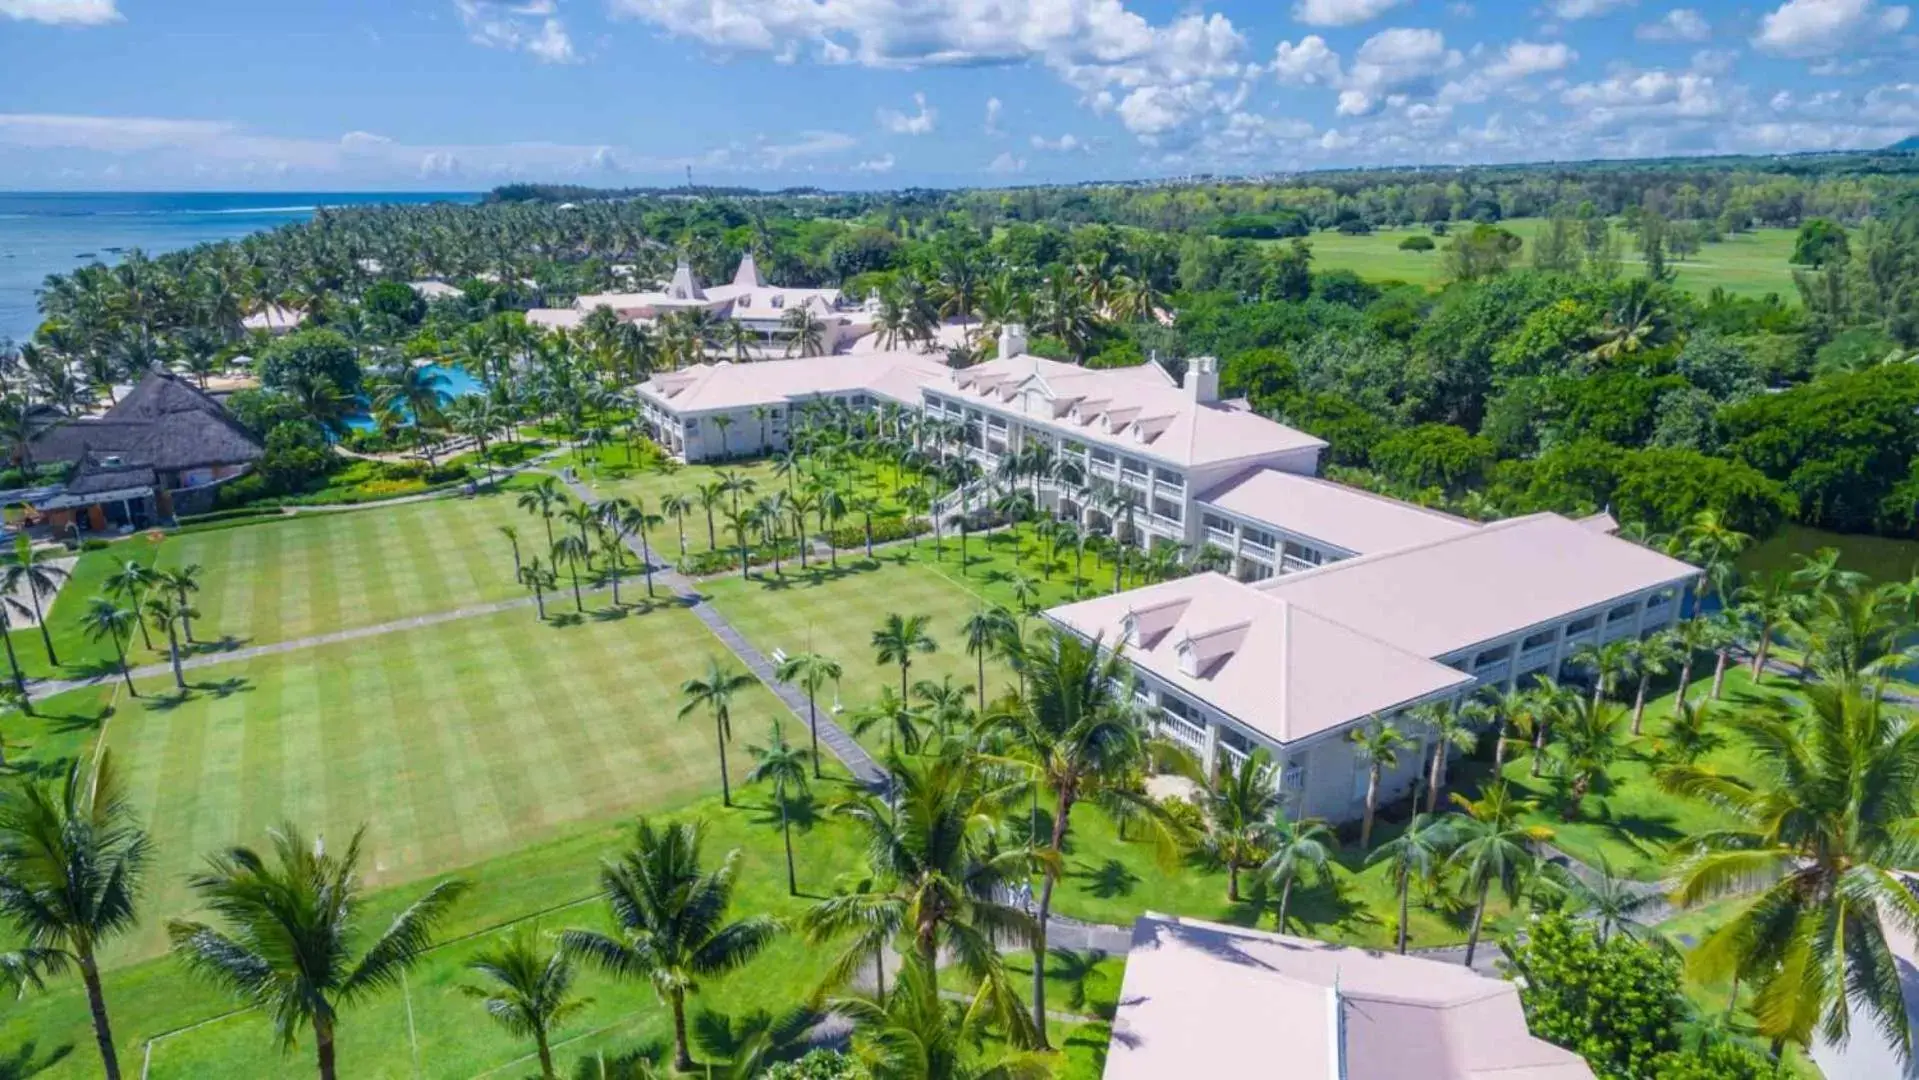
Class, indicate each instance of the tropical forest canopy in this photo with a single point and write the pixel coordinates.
(1559, 366)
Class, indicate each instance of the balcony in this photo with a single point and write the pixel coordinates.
(1250, 546)
(1182, 733)
(1292, 564)
(1171, 491)
(1222, 537)
(1536, 658)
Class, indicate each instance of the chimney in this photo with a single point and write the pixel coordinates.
(1202, 379)
(1012, 340)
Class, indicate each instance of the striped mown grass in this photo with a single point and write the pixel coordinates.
(333, 571)
(454, 743)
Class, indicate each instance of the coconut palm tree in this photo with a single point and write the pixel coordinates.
(129, 585)
(636, 520)
(1770, 601)
(784, 767)
(165, 611)
(1490, 846)
(1079, 729)
(715, 692)
(937, 872)
(573, 552)
(677, 505)
(899, 639)
(1609, 663)
(1413, 853)
(983, 631)
(1240, 804)
(1822, 834)
(9, 607)
(1588, 746)
(1653, 656)
(1297, 848)
(709, 495)
(529, 991)
(540, 578)
(1607, 901)
(28, 574)
(513, 540)
(896, 715)
(805, 332)
(71, 864)
(812, 671)
(544, 498)
(914, 1033)
(669, 918)
(105, 619)
(417, 392)
(182, 582)
(292, 924)
(1377, 743)
(944, 704)
(1451, 728)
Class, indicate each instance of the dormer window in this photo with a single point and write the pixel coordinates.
(1129, 629)
(778, 301)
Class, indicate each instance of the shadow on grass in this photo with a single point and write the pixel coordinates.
(812, 577)
(221, 690)
(225, 643)
(641, 1061)
(76, 722)
(1107, 881)
(804, 810)
(26, 1061)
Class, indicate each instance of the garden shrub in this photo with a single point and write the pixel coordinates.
(885, 530)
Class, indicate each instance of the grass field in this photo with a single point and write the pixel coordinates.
(1744, 264)
(453, 743)
(314, 573)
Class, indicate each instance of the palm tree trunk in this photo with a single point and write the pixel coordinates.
(19, 676)
(186, 620)
(786, 835)
(1499, 747)
(979, 658)
(1062, 813)
(546, 1055)
(1232, 881)
(539, 600)
(646, 554)
(726, 787)
(173, 657)
(574, 572)
(1639, 701)
(1685, 678)
(145, 637)
(1405, 888)
(1285, 901)
(45, 637)
(682, 1060)
(1372, 807)
(1719, 673)
(813, 722)
(1479, 918)
(1765, 646)
(1539, 743)
(102, 1029)
(126, 670)
(1433, 776)
(323, 1046)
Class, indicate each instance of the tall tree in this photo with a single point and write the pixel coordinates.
(529, 991)
(715, 692)
(1240, 804)
(784, 767)
(1378, 745)
(1297, 848)
(899, 639)
(292, 924)
(1415, 852)
(812, 671)
(29, 574)
(105, 619)
(71, 863)
(670, 920)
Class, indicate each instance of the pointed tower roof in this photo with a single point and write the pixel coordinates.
(748, 275)
(685, 286)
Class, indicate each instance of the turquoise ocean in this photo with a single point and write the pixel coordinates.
(45, 233)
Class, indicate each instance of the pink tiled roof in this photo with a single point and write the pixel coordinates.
(1134, 409)
(1435, 598)
(1284, 670)
(726, 385)
(1348, 518)
(1202, 999)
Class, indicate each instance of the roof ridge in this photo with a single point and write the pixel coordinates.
(1389, 553)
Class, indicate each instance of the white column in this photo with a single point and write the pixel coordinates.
(1211, 753)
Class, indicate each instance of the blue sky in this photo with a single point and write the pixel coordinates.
(465, 94)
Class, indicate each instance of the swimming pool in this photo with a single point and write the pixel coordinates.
(455, 382)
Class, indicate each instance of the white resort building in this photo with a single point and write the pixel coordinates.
(1340, 608)
(747, 299)
(1205, 1000)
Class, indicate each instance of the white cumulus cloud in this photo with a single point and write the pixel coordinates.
(1810, 28)
(882, 164)
(1309, 63)
(1006, 163)
(69, 12)
(1065, 144)
(1585, 9)
(1525, 58)
(533, 26)
(1679, 24)
(920, 122)
(1341, 12)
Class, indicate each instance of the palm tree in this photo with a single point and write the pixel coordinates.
(182, 582)
(1609, 663)
(164, 611)
(513, 540)
(573, 552)
(1815, 858)
(898, 639)
(784, 767)
(937, 872)
(1588, 745)
(1713, 545)
(129, 584)
(540, 578)
(984, 629)
(1377, 744)
(105, 619)
(529, 991)
(635, 519)
(715, 693)
(812, 671)
(1079, 728)
(709, 495)
(943, 703)
(1607, 900)
(1691, 735)
(901, 721)
(1770, 601)
(418, 392)
(292, 924)
(71, 864)
(1653, 656)
(914, 1033)
(670, 921)
(1491, 847)
(8, 608)
(1451, 729)
(1298, 848)
(26, 573)
(1240, 804)
(542, 499)
(1413, 853)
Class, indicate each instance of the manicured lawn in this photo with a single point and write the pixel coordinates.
(429, 1028)
(1745, 264)
(454, 743)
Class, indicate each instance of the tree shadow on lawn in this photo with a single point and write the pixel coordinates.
(1107, 881)
(224, 643)
(225, 688)
(813, 576)
(804, 810)
(25, 1060)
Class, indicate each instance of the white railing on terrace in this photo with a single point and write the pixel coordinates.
(1533, 656)
(1247, 543)
(1293, 563)
(1232, 753)
(1220, 536)
(1182, 734)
